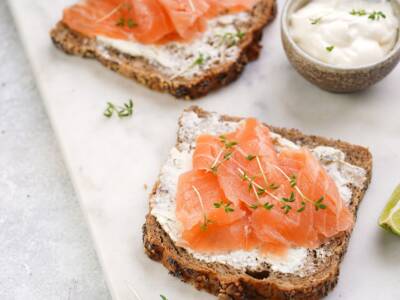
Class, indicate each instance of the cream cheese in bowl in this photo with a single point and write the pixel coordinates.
(345, 33)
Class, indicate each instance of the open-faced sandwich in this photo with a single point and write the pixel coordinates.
(249, 211)
(183, 47)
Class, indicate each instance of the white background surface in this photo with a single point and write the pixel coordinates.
(45, 248)
(110, 160)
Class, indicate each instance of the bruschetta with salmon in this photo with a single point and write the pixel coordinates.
(184, 47)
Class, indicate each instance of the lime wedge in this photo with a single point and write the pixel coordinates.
(390, 217)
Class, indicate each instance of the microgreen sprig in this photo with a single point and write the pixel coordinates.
(318, 204)
(121, 22)
(122, 112)
(291, 198)
(268, 206)
(315, 21)
(259, 190)
(306, 199)
(228, 145)
(302, 208)
(199, 61)
(204, 225)
(250, 157)
(206, 221)
(115, 10)
(226, 206)
(273, 186)
(253, 206)
(376, 16)
(330, 48)
(293, 181)
(231, 39)
(286, 208)
(360, 12)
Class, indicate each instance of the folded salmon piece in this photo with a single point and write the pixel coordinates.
(148, 21)
(260, 198)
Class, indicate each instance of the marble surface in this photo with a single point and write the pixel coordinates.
(110, 160)
(46, 251)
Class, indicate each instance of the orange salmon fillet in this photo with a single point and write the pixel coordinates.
(148, 21)
(243, 194)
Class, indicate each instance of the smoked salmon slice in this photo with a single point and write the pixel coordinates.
(243, 194)
(148, 21)
(198, 192)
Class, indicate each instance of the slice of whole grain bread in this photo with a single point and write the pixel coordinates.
(141, 70)
(229, 283)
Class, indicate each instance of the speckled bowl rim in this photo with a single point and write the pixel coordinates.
(322, 65)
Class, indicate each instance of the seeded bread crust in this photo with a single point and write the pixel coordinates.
(139, 69)
(228, 283)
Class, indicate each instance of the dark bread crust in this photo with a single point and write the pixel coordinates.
(143, 72)
(229, 283)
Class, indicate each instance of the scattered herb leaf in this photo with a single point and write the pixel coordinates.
(227, 144)
(360, 12)
(204, 225)
(125, 111)
(318, 204)
(315, 21)
(218, 204)
(228, 208)
(240, 34)
(376, 15)
(231, 39)
(286, 208)
(121, 22)
(330, 48)
(302, 208)
(293, 181)
(214, 169)
(228, 155)
(230, 144)
(268, 206)
(273, 186)
(250, 157)
(109, 110)
(253, 206)
(290, 199)
(260, 191)
(200, 60)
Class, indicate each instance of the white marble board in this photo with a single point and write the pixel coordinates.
(110, 160)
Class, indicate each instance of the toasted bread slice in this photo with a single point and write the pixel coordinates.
(312, 280)
(154, 76)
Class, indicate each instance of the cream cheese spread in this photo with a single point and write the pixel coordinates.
(180, 161)
(215, 46)
(345, 33)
